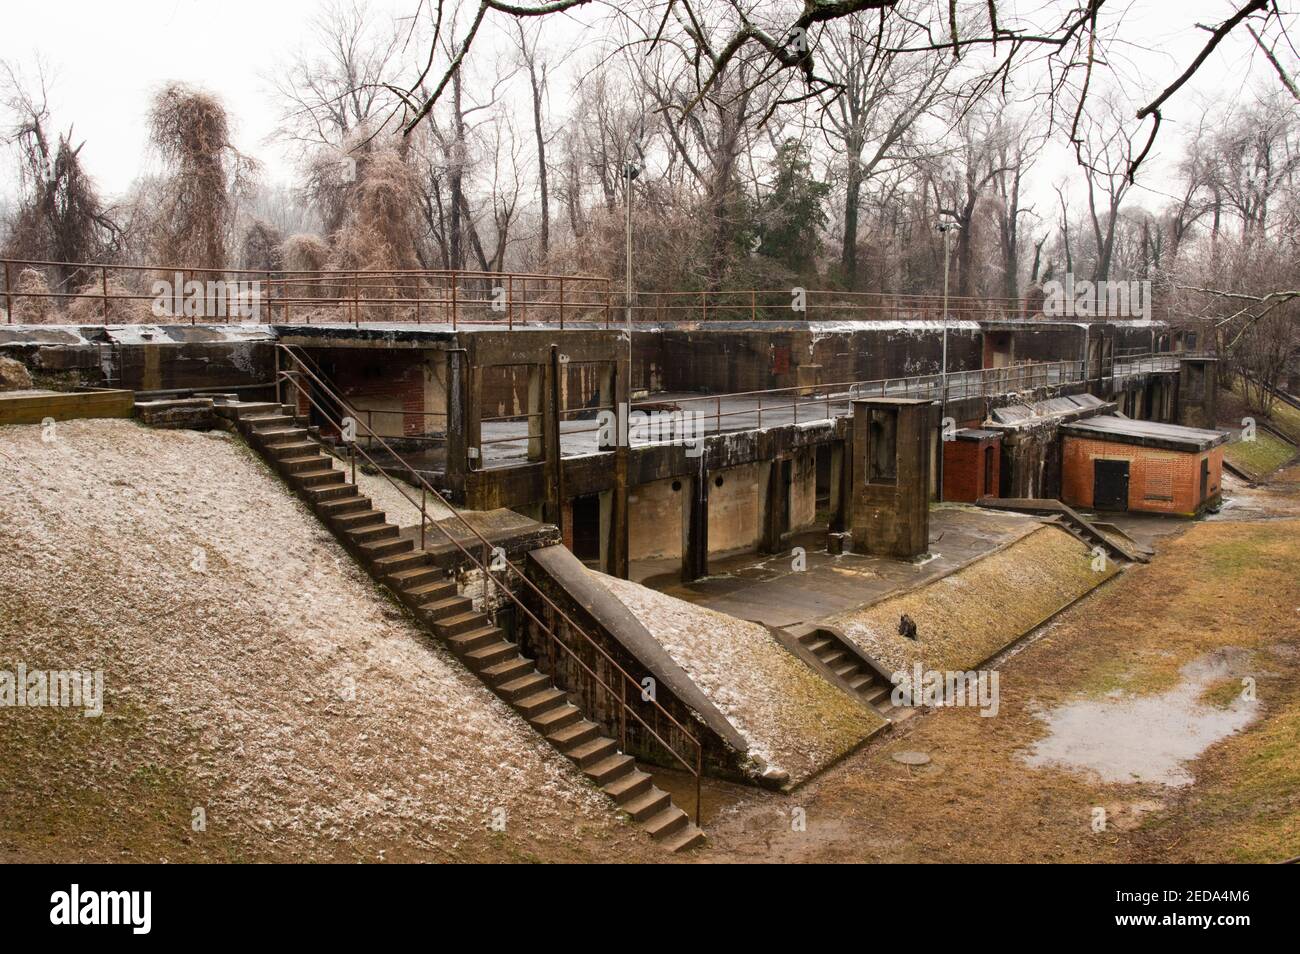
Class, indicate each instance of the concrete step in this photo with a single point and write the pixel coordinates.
(294, 465)
(609, 768)
(485, 656)
(846, 670)
(444, 607)
(247, 409)
(525, 685)
(386, 566)
(368, 533)
(318, 478)
(429, 591)
(277, 436)
(450, 625)
(355, 520)
(505, 671)
(374, 549)
(628, 786)
(649, 803)
(832, 658)
(817, 645)
(572, 736)
(667, 822)
(685, 839)
(295, 449)
(556, 718)
(332, 509)
(329, 492)
(404, 580)
(463, 643)
(538, 702)
(861, 679)
(593, 751)
(264, 422)
(875, 693)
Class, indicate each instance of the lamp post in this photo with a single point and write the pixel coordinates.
(945, 229)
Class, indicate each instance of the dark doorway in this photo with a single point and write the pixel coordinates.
(987, 489)
(586, 528)
(1110, 484)
(1205, 478)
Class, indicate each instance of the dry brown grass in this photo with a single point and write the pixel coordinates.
(38, 310)
(1220, 584)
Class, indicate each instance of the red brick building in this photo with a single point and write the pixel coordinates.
(1115, 463)
(972, 464)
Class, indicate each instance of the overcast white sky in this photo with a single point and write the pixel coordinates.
(107, 58)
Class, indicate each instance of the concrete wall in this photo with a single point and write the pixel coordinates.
(656, 515)
(736, 508)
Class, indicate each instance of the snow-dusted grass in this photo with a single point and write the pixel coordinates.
(793, 720)
(251, 670)
(964, 618)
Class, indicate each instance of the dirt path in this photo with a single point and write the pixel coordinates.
(1221, 600)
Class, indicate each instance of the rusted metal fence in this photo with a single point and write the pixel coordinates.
(160, 294)
(44, 292)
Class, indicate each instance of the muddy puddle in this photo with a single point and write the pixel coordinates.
(1148, 738)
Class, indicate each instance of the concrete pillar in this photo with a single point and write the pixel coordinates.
(777, 505)
(890, 512)
(695, 547)
(1198, 389)
(538, 375)
(553, 506)
(618, 524)
(838, 517)
(457, 408)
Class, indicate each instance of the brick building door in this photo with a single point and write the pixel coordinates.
(1110, 484)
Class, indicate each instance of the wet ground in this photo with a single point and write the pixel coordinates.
(1123, 734)
(1148, 738)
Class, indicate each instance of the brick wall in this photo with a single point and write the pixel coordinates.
(1160, 481)
(963, 469)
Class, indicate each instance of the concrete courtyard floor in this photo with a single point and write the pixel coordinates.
(1179, 640)
(767, 588)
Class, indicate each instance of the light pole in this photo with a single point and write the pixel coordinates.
(946, 231)
(630, 172)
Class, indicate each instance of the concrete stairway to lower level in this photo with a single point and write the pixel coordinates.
(839, 661)
(410, 573)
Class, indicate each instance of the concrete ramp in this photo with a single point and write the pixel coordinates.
(965, 618)
(784, 721)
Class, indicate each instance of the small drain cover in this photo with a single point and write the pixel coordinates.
(912, 758)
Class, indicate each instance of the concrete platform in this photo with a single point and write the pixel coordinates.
(766, 588)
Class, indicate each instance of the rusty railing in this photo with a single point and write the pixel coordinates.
(694, 766)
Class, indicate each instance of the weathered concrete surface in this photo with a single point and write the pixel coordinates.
(966, 617)
(771, 590)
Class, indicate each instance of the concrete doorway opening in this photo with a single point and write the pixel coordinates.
(586, 528)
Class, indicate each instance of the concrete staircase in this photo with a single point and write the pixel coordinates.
(395, 561)
(838, 660)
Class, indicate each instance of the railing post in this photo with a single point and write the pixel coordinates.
(561, 302)
(423, 495)
(9, 295)
(453, 301)
(510, 302)
(103, 288)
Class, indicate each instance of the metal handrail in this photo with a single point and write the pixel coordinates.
(626, 710)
